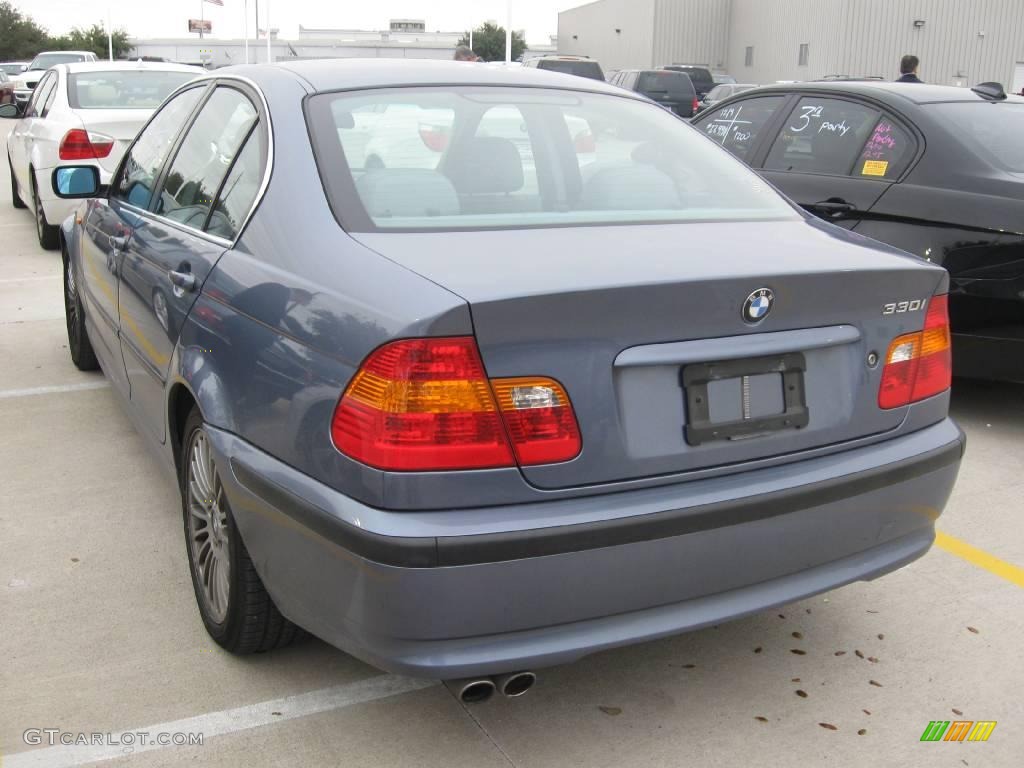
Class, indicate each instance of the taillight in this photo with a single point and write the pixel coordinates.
(695, 105)
(78, 144)
(435, 139)
(539, 419)
(919, 365)
(426, 404)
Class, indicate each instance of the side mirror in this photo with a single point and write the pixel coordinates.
(10, 111)
(76, 181)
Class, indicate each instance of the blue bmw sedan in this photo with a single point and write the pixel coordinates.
(471, 370)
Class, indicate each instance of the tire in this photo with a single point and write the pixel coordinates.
(16, 200)
(48, 234)
(236, 609)
(79, 346)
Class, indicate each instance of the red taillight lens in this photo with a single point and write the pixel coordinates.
(422, 404)
(539, 419)
(695, 106)
(434, 138)
(919, 365)
(426, 404)
(78, 144)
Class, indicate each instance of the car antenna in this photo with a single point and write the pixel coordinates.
(993, 91)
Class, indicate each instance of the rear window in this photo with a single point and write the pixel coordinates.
(992, 130)
(123, 89)
(426, 159)
(589, 69)
(700, 76)
(665, 82)
(47, 60)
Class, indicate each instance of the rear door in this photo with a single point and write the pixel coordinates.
(742, 126)
(178, 237)
(25, 130)
(835, 157)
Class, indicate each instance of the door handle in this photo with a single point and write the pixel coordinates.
(834, 206)
(184, 280)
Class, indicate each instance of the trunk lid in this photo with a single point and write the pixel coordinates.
(122, 124)
(622, 316)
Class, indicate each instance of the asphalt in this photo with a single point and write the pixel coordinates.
(99, 631)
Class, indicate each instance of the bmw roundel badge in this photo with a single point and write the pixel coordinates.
(758, 305)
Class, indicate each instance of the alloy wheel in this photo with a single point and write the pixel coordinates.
(208, 527)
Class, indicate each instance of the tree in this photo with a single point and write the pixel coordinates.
(20, 37)
(489, 42)
(93, 39)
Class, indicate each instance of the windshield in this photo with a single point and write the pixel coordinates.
(500, 158)
(992, 129)
(589, 69)
(12, 69)
(47, 60)
(123, 89)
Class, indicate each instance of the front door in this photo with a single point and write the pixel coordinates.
(176, 242)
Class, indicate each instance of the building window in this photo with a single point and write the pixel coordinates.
(749, 60)
(803, 55)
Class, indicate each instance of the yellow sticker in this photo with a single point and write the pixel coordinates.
(875, 168)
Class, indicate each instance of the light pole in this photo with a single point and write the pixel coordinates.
(110, 34)
(508, 31)
(269, 54)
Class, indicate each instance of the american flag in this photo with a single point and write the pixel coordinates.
(215, 2)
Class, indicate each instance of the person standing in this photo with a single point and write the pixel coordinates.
(908, 69)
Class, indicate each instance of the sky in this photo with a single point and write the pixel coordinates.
(168, 18)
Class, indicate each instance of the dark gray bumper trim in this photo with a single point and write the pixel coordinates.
(427, 552)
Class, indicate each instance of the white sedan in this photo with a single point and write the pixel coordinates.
(81, 114)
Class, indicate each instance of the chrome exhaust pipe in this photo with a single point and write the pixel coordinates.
(473, 690)
(515, 684)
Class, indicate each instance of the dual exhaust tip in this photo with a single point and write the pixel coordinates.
(475, 690)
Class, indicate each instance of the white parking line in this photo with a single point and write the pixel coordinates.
(5, 393)
(220, 723)
(29, 279)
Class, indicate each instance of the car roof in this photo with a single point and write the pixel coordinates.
(338, 74)
(73, 53)
(915, 93)
(124, 66)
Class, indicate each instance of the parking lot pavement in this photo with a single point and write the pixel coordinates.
(99, 632)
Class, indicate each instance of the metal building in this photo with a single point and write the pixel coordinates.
(959, 42)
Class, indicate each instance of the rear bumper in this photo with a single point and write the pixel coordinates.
(453, 593)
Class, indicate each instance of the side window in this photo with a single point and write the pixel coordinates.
(137, 177)
(630, 80)
(822, 136)
(204, 157)
(737, 126)
(888, 151)
(47, 101)
(40, 95)
(239, 190)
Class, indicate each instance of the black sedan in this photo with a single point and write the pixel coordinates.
(935, 170)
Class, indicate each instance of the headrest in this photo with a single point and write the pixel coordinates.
(407, 192)
(485, 164)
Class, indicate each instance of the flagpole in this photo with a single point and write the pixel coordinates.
(256, 48)
(508, 31)
(269, 54)
(245, 28)
(201, 18)
(110, 34)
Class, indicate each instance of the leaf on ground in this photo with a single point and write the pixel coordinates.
(794, 679)
(278, 714)
(957, 712)
(866, 711)
(829, 726)
(758, 649)
(808, 610)
(859, 654)
(761, 719)
(870, 611)
(610, 710)
(972, 629)
(875, 683)
(781, 616)
(862, 731)
(873, 659)
(801, 694)
(798, 652)
(881, 636)
(74, 559)
(840, 653)
(689, 666)
(798, 635)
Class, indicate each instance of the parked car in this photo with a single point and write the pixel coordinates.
(87, 112)
(6, 89)
(722, 92)
(460, 429)
(721, 79)
(703, 82)
(26, 81)
(933, 170)
(581, 66)
(671, 90)
(13, 67)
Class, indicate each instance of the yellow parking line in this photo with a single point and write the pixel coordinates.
(980, 558)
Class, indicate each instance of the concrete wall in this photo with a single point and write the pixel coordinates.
(590, 31)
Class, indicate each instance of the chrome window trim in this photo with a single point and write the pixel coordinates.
(264, 183)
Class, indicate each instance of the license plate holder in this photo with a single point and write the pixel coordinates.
(695, 378)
